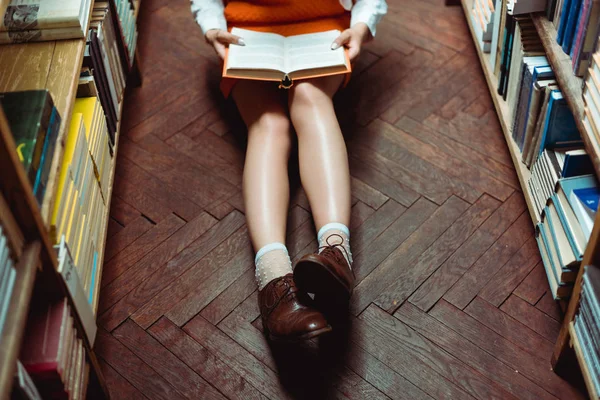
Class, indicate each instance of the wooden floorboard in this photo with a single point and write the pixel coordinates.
(451, 302)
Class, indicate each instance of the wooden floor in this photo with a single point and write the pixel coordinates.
(451, 300)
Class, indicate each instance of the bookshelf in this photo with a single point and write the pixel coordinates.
(17, 191)
(56, 66)
(571, 87)
(502, 111)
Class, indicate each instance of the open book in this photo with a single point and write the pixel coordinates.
(272, 57)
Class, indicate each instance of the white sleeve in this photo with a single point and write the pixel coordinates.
(209, 14)
(368, 11)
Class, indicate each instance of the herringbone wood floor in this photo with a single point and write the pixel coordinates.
(451, 302)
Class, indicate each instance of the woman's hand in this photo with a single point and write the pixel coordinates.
(220, 40)
(353, 39)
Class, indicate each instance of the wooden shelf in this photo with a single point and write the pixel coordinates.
(50, 65)
(587, 376)
(18, 193)
(502, 110)
(570, 85)
(12, 335)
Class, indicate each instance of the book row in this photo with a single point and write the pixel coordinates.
(53, 357)
(8, 274)
(587, 323)
(577, 24)
(59, 19)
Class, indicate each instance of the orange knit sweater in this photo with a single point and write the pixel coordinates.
(287, 17)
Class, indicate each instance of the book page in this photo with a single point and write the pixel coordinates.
(262, 51)
(313, 51)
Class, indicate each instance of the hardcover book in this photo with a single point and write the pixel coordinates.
(271, 57)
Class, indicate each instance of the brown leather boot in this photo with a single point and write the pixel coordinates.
(327, 275)
(286, 314)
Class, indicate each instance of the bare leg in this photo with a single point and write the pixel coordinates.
(322, 151)
(266, 183)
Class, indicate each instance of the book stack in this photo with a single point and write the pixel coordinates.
(102, 58)
(54, 355)
(587, 323)
(7, 277)
(82, 191)
(482, 16)
(36, 21)
(577, 24)
(567, 202)
(591, 98)
(127, 21)
(34, 123)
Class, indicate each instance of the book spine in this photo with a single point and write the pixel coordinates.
(570, 27)
(560, 34)
(590, 37)
(580, 28)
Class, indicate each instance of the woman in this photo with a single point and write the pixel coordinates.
(269, 114)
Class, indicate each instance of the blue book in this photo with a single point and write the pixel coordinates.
(563, 21)
(577, 162)
(43, 173)
(535, 71)
(572, 230)
(571, 26)
(569, 186)
(567, 258)
(559, 128)
(562, 273)
(559, 290)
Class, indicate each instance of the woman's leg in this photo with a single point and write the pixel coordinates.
(326, 179)
(266, 198)
(266, 182)
(322, 150)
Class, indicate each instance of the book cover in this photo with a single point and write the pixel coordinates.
(287, 58)
(577, 162)
(535, 106)
(569, 221)
(585, 205)
(560, 129)
(28, 114)
(568, 185)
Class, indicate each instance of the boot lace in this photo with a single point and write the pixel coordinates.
(327, 250)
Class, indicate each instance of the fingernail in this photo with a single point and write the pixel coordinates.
(334, 46)
(241, 42)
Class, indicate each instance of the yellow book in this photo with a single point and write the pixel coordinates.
(67, 210)
(63, 201)
(73, 216)
(80, 244)
(87, 107)
(70, 145)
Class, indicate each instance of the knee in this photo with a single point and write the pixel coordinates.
(272, 130)
(309, 94)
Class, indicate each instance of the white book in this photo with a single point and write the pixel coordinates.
(19, 15)
(272, 57)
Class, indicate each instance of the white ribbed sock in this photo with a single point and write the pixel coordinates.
(272, 261)
(336, 233)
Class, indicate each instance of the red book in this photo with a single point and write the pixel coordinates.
(47, 342)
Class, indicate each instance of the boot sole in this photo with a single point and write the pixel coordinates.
(314, 277)
(301, 338)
